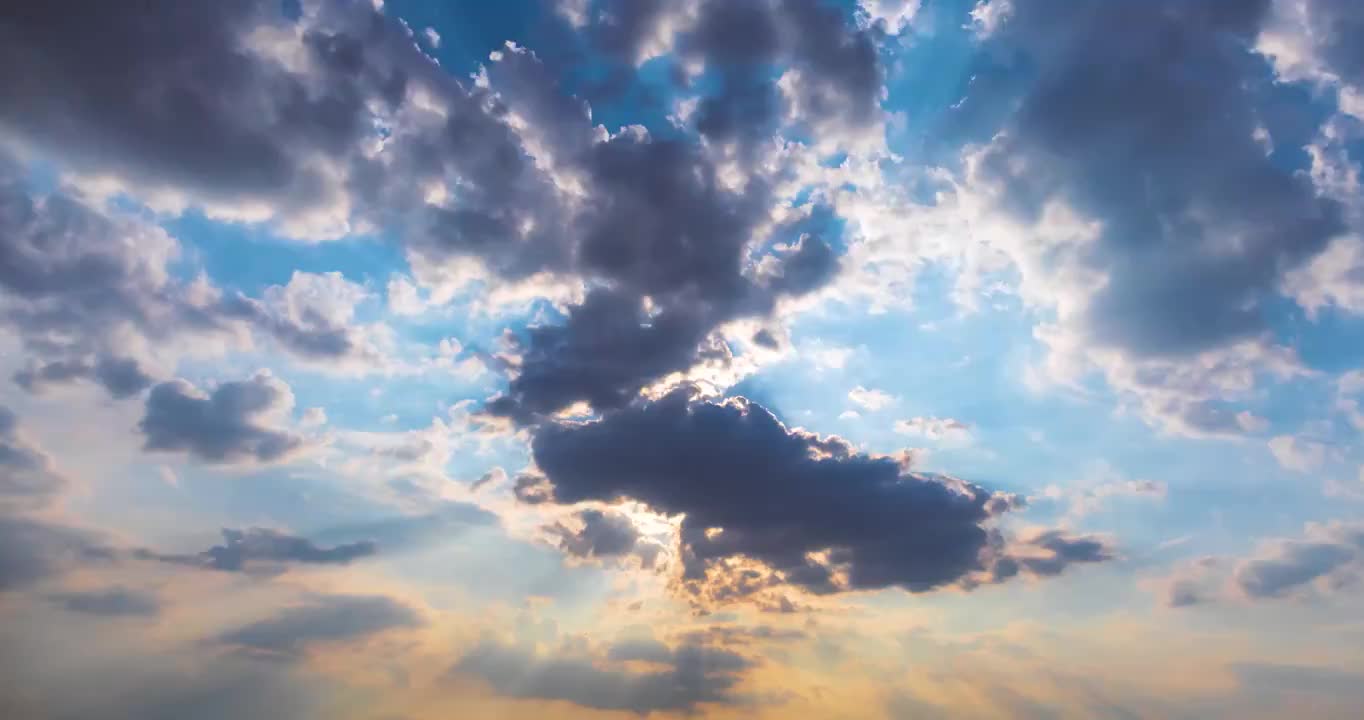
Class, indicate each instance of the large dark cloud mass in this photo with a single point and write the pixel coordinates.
(231, 424)
(821, 515)
(645, 221)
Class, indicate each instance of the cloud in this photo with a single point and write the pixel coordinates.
(1193, 583)
(684, 678)
(110, 602)
(604, 535)
(322, 619)
(28, 477)
(121, 377)
(816, 514)
(1327, 556)
(872, 400)
(1312, 41)
(238, 422)
(242, 550)
(32, 550)
(1061, 550)
(1094, 494)
(1111, 203)
(1298, 454)
(934, 428)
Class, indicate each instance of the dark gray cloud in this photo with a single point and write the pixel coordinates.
(229, 425)
(1198, 224)
(686, 677)
(1063, 550)
(171, 95)
(121, 377)
(261, 548)
(599, 535)
(32, 550)
(1332, 35)
(778, 496)
(28, 478)
(319, 620)
(110, 602)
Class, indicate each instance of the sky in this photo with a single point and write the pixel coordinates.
(884, 359)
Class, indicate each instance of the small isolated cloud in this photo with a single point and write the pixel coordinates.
(809, 511)
(934, 428)
(1327, 557)
(871, 400)
(1051, 552)
(238, 422)
(1192, 583)
(321, 620)
(243, 549)
(1094, 495)
(110, 602)
(1298, 454)
(677, 679)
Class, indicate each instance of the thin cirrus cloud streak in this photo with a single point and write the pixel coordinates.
(570, 358)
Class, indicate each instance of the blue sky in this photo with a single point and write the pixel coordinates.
(610, 358)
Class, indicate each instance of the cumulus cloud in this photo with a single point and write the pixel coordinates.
(255, 549)
(870, 399)
(816, 514)
(677, 679)
(1108, 204)
(1298, 454)
(321, 620)
(239, 421)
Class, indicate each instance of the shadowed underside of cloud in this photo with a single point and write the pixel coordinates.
(1199, 221)
(28, 479)
(242, 550)
(1332, 554)
(110, 602)
(677, 679)
(32, 550)
(232, 424)
(320, 620)
(819, 515)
